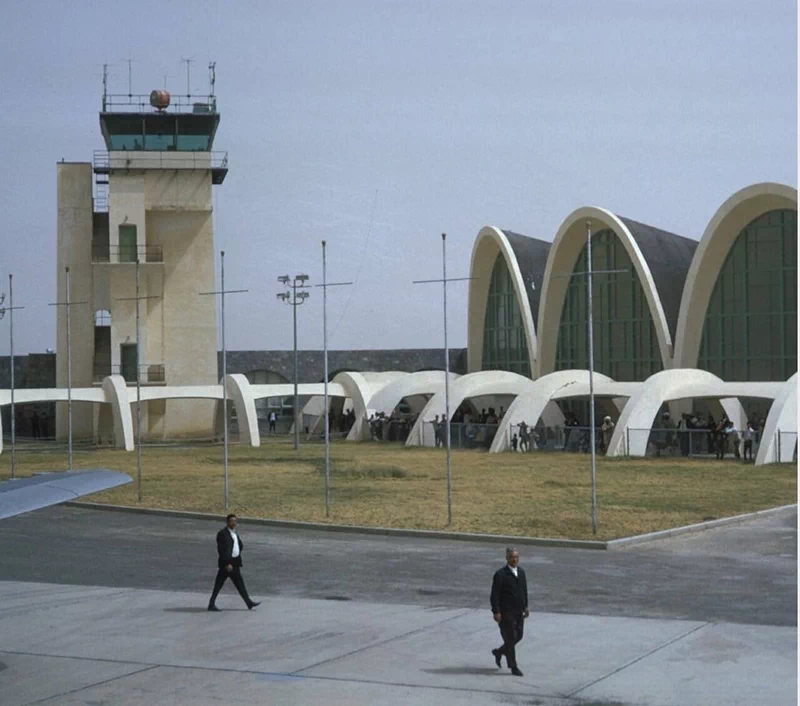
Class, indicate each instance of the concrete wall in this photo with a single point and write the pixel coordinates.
(311, 365)
(74, 249)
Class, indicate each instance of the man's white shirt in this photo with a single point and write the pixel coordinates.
(514, 570)
(235, 537)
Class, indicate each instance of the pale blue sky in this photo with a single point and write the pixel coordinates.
(442, 115)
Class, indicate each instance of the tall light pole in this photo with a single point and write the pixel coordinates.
(325, 284)
(10, 309)
(589, 273)
(68, 304)
(222, 294)
(294, 299)
(590, 323)
(444, 280)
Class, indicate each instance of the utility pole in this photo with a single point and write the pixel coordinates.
(444, 280)
(67, 303)
(222, 292)
(10, 309)
(325, 284)
(137, 299)
(294, 299)
(589, 274)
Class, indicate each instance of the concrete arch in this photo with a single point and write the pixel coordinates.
(56, 394)
(719, 237)
(360, 387)
(782, 417)
(678, 384)
(486, 382)
(567, 246)
(116, 392)
(423, 383)
(490, 242)
(531, 405)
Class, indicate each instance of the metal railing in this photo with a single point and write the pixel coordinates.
(126, 254)
(140, 103)
(149, 373)
(104, 161)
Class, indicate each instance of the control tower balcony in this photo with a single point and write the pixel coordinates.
(160, 131)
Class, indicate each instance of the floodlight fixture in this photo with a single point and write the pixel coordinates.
(283, 279)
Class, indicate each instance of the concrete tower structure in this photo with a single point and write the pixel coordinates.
(146, 198)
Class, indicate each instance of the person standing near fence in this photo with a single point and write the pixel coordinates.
(607, 431)
(747, 436)
(273, 418)
(437, 431)
(509, 599)
(722, 438)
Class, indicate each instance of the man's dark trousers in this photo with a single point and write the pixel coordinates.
(234, 575)
(511, 629)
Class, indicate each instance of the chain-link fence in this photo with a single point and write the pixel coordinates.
(787, 446)
(462, 435)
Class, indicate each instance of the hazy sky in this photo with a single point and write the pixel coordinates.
(378, 125)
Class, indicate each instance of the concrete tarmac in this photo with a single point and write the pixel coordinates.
(101, 608)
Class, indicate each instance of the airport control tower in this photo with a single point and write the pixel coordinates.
(146, 198)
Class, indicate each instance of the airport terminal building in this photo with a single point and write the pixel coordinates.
(679, 323)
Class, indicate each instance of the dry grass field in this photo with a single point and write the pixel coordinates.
(387, 485)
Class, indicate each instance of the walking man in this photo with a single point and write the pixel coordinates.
(272, 419)
(510, 608)
(229, 548)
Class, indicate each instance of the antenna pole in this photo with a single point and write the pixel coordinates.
(105, 86)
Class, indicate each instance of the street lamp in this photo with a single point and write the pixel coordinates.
(294, 298)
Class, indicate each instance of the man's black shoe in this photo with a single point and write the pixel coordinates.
(253, 604)
(213, 609)
(516, 672)
(497, 657)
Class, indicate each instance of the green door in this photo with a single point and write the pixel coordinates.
(127, 356)
(127, 243)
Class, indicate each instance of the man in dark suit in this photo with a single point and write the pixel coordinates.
(510, 608)
(229, 549)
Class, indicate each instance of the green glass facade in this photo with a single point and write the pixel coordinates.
(750, 329)
(504, 344)
(625, 341)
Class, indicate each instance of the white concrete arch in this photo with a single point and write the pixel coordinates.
(490, 242)
(567, 245)
(486, 382)
(678, 384)
(360, 387)
(116, 392)
(54, 394)
(719, 237)
(428, 382)
(532, 404)
(776, 445)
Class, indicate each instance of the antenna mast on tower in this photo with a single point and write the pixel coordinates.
(188, 63)
(105, 85)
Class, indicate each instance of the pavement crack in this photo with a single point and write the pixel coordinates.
(638, 659)
(90, 686)
(416, 631)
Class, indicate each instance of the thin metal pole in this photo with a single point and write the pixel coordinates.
(294, 320)
(447, 383)
(325, 358)
(11, 346)
(138, 395)
(591, 377)
(69, 376)
(224, 385)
